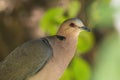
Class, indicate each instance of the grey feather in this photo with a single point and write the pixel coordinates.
(26, 60)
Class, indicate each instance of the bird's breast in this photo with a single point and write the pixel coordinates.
(54, 68)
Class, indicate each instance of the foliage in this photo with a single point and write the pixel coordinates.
(54, 16)
(79, 69)
(101, 14)
(85, 42)
(108, 65)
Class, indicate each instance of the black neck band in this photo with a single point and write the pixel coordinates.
(60, 37)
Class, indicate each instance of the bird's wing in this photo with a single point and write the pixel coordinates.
(26, 60)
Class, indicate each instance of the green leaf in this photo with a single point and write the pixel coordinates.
(74, 7)
(67, 75)
(54, 16)
(51, 20)
(101, 14)
(85, 42)
(78, 70)
(108, 61)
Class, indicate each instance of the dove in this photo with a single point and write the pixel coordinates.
(44, 58)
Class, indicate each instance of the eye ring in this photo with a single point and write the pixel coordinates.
(72, 25)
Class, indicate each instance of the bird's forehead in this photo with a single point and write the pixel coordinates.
(75, 20)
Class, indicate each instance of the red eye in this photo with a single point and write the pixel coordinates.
(72, 25)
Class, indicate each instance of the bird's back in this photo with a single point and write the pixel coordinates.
(25, 60)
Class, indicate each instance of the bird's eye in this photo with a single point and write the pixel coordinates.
(72, 25)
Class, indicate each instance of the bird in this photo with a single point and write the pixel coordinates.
(45, 58)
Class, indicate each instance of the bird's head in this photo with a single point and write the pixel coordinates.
(72, 27)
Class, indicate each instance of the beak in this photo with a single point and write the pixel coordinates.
(85, 28)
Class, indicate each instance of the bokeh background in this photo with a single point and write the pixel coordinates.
(98, 52)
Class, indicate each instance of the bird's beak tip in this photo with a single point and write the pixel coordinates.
(85, 28)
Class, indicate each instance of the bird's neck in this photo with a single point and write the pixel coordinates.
(68, 34)
(63, 50)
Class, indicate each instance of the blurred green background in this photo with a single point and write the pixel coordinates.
(98, 52)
